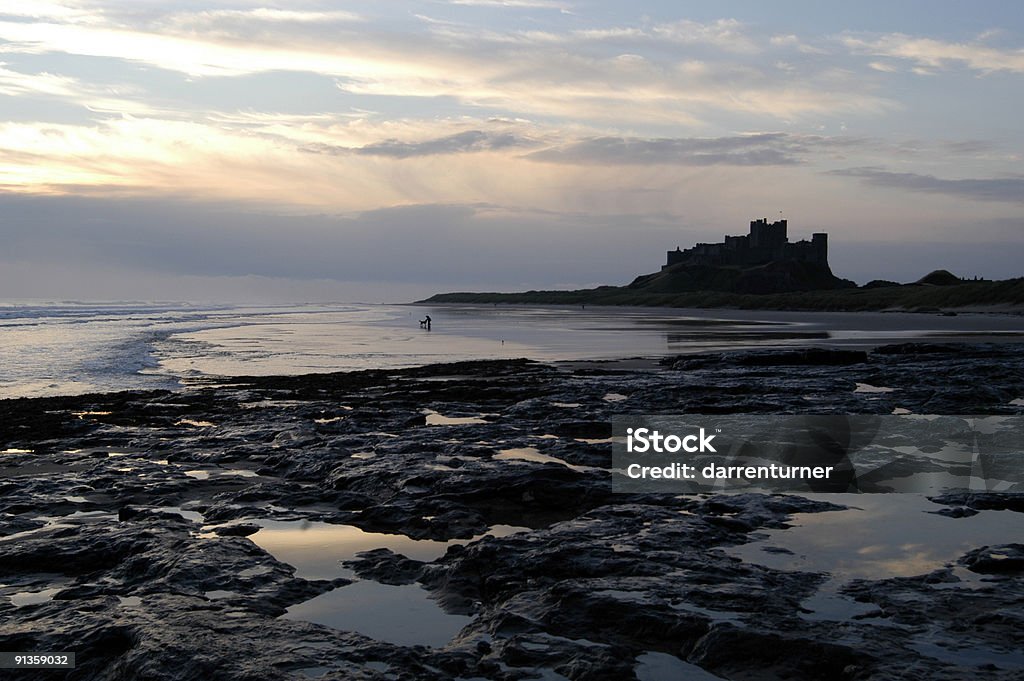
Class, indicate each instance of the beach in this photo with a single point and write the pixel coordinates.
(457, 521)
(64, 348)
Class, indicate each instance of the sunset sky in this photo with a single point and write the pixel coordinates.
(386, 150)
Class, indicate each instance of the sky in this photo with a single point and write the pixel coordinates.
(383, 151)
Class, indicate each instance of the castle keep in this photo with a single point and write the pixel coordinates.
(767, 242)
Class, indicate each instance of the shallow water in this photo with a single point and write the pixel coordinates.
(316, 549)
(404, 615)
(32, 597)
(435, 419)
(879, 537)
(68, 348)
(533, 455)
(664, 667)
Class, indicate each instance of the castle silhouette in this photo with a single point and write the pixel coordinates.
(766, 242)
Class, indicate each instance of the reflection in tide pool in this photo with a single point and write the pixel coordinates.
(32, 597)
(534, 455)
(404, 615)
(316, 550)
(879, 537)
(435, 419)
(664, 667)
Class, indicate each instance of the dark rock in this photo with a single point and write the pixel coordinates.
(386, 567)
(919, 348)
(239, 530)
(982, 501)
(729, 651)
(582, 429)
(803, 356)
(583, 582)
(956, 512)
(1003, 559)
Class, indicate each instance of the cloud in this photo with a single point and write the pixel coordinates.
(514, 4)
(265, 14)
(930, 54)
(55, 86)
(759, 149)
(460, 143)
(577, 74)
(46, 9)
(726, 34)
(882, 67)
(968, 147)
(1008, 189)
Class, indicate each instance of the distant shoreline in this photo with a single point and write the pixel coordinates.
(999, 297)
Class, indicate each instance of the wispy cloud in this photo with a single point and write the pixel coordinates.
(269, 15)
(469, 141)
(791, 41)
(759, 149)
(882, 66)
(1008, 189)
(516, 4)
(930, 53)
(533, 73)
(76, 12)
(726, 34)
(55, 86)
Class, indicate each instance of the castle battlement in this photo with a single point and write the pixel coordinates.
(766, 242)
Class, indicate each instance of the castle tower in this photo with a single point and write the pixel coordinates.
(819, 244)
(768, 235)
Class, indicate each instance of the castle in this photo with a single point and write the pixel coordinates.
(767, 242)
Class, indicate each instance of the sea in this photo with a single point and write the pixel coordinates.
(72, 347)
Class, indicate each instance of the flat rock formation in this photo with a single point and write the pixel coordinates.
(130, 527)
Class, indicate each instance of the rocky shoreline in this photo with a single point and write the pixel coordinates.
(131, 525)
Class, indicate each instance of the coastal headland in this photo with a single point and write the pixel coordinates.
(173, 535)
(763, 270)
(656, 291)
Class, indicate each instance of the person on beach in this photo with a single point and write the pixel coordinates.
(425, 323)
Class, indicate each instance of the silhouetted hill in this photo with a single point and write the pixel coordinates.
(881, 283)
(912, 297)
(940, 278)
(773, 277)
